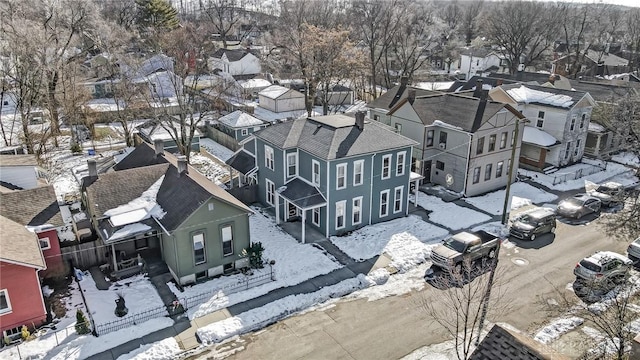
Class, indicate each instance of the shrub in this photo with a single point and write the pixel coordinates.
(255, 255)
(75, 148)
(82, 324)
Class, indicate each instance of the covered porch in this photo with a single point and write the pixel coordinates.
(298, 198)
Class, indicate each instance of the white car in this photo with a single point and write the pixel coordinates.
(633, 251)
(609, 193)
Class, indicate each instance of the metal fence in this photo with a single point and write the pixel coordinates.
(564, 177)
(246, 283)
(131, 320)
(44, 334)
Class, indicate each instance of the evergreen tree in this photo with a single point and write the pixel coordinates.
(82, 324)
(157, 14)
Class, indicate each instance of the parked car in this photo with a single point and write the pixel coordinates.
(603, 267)
(464, 246)
(609, 193)
(579, 205)
(533, 223)
(633, 251)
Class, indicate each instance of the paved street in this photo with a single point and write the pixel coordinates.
(392, 327)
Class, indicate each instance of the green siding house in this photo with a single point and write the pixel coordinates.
(155, 204)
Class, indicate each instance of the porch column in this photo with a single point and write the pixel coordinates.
(113, 256)
(597, 151)
(416, 191)
(277, 207)
(304, 225)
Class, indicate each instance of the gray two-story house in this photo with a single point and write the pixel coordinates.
(464, 142)
(334, 173)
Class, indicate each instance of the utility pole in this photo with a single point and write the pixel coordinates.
(487, 295)
(507, 195)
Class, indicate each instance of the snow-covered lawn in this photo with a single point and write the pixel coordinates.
(166, 349)
(406, 239)
(215, 149)
(627, 159)
(522, 194)
(557, 328)
(450, 215)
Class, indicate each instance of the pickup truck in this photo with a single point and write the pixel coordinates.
(464, 246)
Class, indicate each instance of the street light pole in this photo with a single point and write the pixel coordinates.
(507, 195)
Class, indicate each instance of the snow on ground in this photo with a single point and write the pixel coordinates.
(295, 263)
(627, 159)
(406, 239)
(522, 194)
(215, 149)
(209, 168)
(450, 215)
(166, 349)
(557, 328)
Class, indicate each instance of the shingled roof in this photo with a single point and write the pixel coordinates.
(32, 207)
(465, 112)
(18, 160)
(501, 343)
(395, 94)
(333, 137)
(19, 245)
(232, 54)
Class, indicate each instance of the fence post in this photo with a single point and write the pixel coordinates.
(18, 348)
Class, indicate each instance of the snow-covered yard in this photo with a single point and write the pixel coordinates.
(521, 194)
(450, 215)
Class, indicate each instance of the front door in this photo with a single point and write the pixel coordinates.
(426, 171)
(293, 212)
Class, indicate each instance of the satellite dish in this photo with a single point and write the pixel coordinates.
(449, 179)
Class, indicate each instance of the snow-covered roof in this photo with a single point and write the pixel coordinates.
(536, 136)
(156, 131)
(239, 119)
(445, 125)
(435, 85)
(596, 127)
(138, 209)
(105, 105)
(526, 95)
(254, 83)
(274, 91)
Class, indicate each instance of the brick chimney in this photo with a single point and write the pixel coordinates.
(182, 165)
(477, 93)
(411, 95)
(93, 167)
(158, 144)
(360, 119)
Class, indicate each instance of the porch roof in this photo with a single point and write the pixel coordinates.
(242, 161)
(302, 195)
(535, 136)
(117, 234)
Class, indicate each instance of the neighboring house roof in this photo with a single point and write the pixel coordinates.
(542, 95)
(536, 136)
(464, 112)
(275, 91)
(479, 52)
(232, 54)
(333, 136)
(18, 160)
(523, 76)
(155, 130)
(606, 92)
(487, 83)
(395, 94)
(254, 83)
(502, 343)
(607, 59)
(303, 195)
(240, 119)
(19, 245)
(33, 207)
(242, 161)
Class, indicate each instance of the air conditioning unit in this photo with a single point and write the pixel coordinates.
(443, 145)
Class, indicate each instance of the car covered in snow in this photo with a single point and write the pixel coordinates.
(578, 206)
(609, 193)
(603, 266)
(633, 251)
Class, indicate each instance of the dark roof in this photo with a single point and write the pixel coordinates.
(471, 83)
(522, 76)
(501, 343)
(395, 94)
(605, 92)
(32, 207)
(140, 156)
(242, 161)
(465, 112)
(9, 186)
(232, 54)
(303, 195)
(320, 138)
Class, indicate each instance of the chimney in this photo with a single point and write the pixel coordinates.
(159, 146)
(477, 93)
(411, 95)
(93, 168)
(182, 165)
(499, 82)
(404, 80)
(360, 119)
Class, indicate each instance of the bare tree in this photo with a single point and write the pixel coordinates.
(468, 293)
(470, 13)
(632, 36)
(224, 16)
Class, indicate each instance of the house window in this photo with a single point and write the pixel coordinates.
(398, 128)
(397, 199)
(476, 175)
(573, 122)
(503, 140)
(499, 168)
(271, 192)
(268, 157)
(439, 165)
(244, 132)
(44, 243)
(341, 176)
(400, 163)
(384, 203)
(315, 217)
(583, 120)
(315, 165)
(292, 164)
(356, 211)
(429, 141)
(480, 146)
(566, 150)
(513, 137)
(358, 168)
(376, 117)
(540, 121)
(386, 167)
(198, 249)
(487, 172)
(340, 205)
(5, 303)
(227, 240)
(576, 151)
(211, 206)
(492, 142)
(443, 140)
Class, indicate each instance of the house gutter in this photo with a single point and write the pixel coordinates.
(466, 173)
(371, 188)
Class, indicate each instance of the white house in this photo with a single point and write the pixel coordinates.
(558, 122)
(235, 62)
(278, 98)
(475, 61)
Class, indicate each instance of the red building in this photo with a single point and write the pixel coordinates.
(21, 301)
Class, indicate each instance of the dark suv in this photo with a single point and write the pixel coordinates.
(531, 224)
